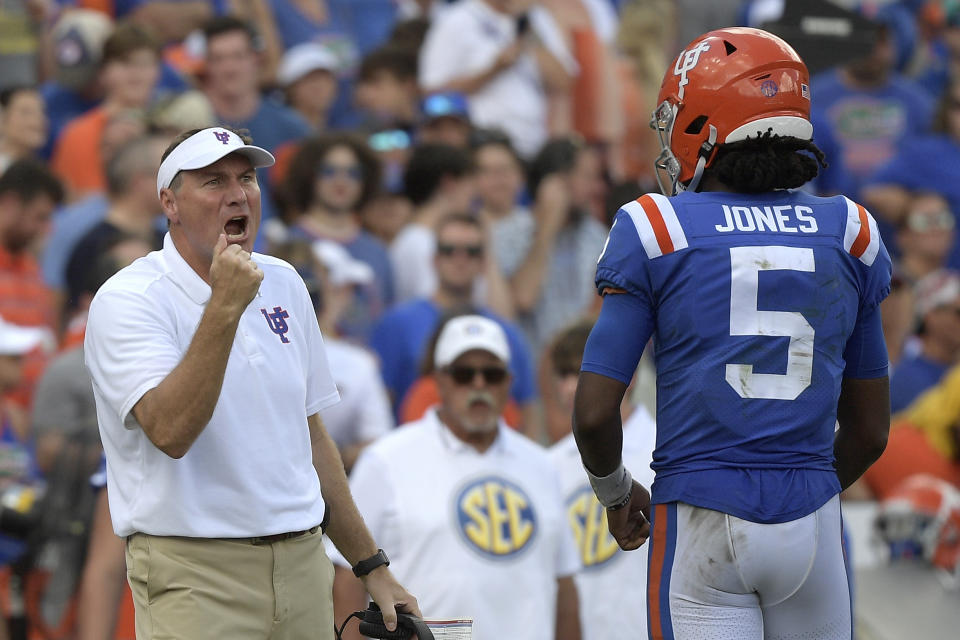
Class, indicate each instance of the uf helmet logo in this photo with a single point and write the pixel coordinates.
(686, 61)
(277, 321)
(222, 136)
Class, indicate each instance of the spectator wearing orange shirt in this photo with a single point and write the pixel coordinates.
(28, 195)
(128, 72)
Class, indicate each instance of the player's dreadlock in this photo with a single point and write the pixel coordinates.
(767, 162)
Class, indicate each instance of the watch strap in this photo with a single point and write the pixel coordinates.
(364, 567)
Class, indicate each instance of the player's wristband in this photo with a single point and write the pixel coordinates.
(613, 491)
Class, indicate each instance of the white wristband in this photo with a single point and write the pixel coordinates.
(612, 490)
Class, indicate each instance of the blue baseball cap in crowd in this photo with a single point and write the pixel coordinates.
(449, 104)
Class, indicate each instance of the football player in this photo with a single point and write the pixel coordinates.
(763, 305)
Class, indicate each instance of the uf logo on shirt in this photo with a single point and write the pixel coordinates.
(495, 517)
(588, 519)
(277, 321)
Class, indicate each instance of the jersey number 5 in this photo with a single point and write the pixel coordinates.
(746, 320)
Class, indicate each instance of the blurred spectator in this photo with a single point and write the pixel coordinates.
(439, 182)
(445, 119)
(612, 593)
(307, 74)
(28, 195)
(230, 83)
(553, 284)
(78, 37)
(938, 310)
(363, 413)
(129, 71)
(403, 333)
(23, 25)
(73, 221)
(133, 209)
(508, 57)
(331, 178)
(924, 438)
(924, 163)
(386, 88)
(23, 124)
(440, 491)
(925, 236)
(181, 112)
(863, 113)
(500, 183)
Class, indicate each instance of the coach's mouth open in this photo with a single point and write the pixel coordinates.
(236, 229)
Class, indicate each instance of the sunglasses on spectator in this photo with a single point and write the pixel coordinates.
(939, 221)
(463, 375)
(354, 172)
(470, 250)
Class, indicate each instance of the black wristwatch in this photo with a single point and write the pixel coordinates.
(364, 567)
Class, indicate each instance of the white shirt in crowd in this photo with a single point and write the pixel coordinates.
(363, 413)
(466, 39)
(613, 584)
(250, 471)
(474, 535)
(411, 256)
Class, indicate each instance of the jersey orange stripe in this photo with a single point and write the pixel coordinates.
(863, 237)
(656, 221)
(659, 542)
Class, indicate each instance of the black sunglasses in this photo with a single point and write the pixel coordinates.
(465, 375)
(471, 250)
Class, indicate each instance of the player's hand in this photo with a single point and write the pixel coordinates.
(390, 596)
(630, 525)
(234, 276)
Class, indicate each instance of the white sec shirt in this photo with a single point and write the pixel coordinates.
(250, 471)
(473, 535)
(612, 586)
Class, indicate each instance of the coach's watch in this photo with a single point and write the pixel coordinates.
(364, 567)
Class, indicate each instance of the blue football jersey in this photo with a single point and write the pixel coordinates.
(751, 300)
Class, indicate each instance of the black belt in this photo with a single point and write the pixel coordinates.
(279, 537)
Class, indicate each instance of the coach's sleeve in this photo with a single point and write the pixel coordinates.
(129, 348)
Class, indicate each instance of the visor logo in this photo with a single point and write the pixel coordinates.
(222, 136)
(687, 61)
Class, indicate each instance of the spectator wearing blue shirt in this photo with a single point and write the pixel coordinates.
(330, 180)
(402, 336)
(232, 86)
(924, 163)
(938, 310)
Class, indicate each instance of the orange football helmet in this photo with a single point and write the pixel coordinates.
(921, 519)
(727, 85)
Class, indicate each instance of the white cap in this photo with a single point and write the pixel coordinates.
(203, 149)
(300, 60)
(16, 340)
(343, 268)
(466, 333)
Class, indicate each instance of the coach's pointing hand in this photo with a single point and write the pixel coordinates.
(630, 524)
(234, 276)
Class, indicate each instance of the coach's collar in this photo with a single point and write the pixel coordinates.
(185, 277)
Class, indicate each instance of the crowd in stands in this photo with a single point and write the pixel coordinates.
(434, 159)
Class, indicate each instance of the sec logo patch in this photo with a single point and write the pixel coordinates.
(588, 519)
(495, 517)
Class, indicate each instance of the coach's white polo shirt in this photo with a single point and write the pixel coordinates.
(249, 473)
(613, 584)
(472, 535)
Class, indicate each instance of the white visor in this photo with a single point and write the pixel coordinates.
(203, 149)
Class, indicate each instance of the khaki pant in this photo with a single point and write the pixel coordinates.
(201, 588)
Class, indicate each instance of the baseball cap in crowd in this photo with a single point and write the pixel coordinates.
(16, 340)
(304, 58)
(466, 333)
(203, 149)
(449, 104)
(78, 38)
(187, 110)
(343, 269)
(938, 289)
